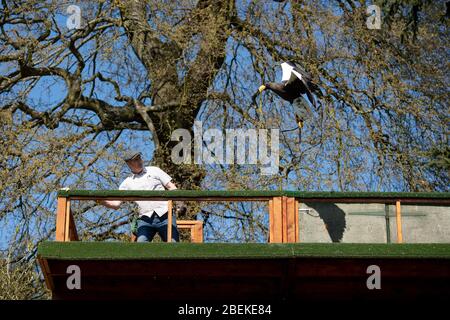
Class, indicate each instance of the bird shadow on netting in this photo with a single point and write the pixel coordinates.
(333, 218)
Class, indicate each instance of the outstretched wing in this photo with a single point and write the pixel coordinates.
(297, 72)
(297, 77)
(289, 67)
(300, 71)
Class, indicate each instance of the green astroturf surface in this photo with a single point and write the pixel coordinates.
(148, 251)
(253, 193)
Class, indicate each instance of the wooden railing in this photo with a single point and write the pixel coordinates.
(66, 229)
(283, 206)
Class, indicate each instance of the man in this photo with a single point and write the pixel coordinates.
(152, 214)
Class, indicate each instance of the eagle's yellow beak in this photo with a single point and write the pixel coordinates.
(262, 88)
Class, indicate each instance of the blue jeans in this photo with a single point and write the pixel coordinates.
(148, 226)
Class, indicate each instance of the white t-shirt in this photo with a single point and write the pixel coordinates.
(151, 178)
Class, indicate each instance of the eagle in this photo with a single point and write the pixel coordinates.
(295, 82)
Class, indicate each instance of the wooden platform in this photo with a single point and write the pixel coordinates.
(246, 272)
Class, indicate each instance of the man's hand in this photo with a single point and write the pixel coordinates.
(170, 186)
(110, 204)
(180, 207)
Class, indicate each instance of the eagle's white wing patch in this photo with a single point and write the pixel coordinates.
(297, 74)
(287, 69)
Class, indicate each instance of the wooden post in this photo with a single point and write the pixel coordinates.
(68, 224)
(399, 222)
(276, 220)
(61, 219)
(169, 221)
(73, 234)
(197, 233)
(291, 220)
(284, 219)
(199, 228)
(271, 227)
(65, 225)
(297, 221)
(193, 230)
